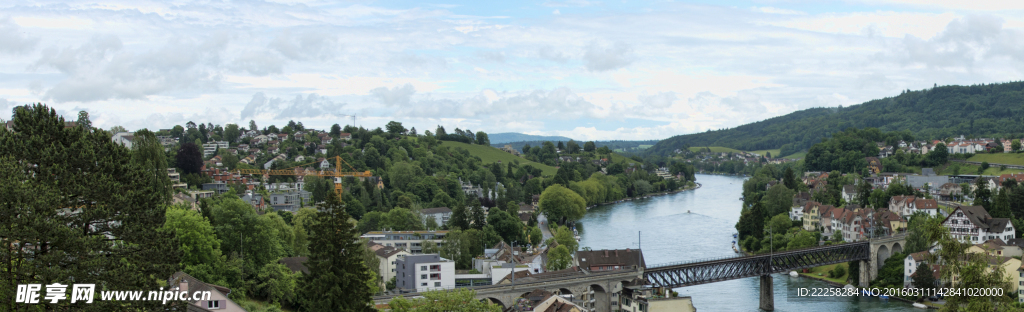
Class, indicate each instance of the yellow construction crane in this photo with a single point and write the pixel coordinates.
(337, 173)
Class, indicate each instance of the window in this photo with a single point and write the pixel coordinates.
(213, 304)
(959, 214)
(437, 284)
(436, 267)
(435, 277)
(423, 284)
(423, 268)
(423, 276)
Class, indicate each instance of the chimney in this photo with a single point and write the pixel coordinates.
(606, 253)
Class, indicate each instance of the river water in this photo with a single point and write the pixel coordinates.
(670, 234)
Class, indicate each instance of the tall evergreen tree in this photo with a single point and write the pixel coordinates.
(89, 214)
(337, 274)
(789, 179)
(459, 218)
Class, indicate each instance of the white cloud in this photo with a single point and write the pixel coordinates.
(12, 40)
(650, 69)
(604, 58)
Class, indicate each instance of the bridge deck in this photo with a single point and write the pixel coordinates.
(716, 270)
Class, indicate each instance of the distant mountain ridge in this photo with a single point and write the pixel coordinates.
(508, 137)
(977, 110)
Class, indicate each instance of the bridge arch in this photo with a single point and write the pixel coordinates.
(601, 298)
(496, 301)
(897, 248)
(883, 253)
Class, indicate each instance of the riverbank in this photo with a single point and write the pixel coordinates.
(697, 185)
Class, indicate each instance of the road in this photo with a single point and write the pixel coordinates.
(542, 223)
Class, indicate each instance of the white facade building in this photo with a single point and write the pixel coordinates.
(974, 225)
(424, 273)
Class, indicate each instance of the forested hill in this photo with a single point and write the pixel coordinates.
(506, 137)
(978, 110)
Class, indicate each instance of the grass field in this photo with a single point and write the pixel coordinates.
(999, 158)
(775, 152)
(618, 158)
(491, 155)
(973, 169)
(799, 155)
(824, 273)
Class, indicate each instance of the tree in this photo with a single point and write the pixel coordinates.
(252, 125)
(395, 128)
(335, 130)
(189, 159)
(197, 241)
(572, 147)
(780, 223)
(116, 239)
(83, 120)
(561, 204)
(1001, 204)
(245, 233)
(336, 268)
(564, 236)
(303, 219)
(559, 258)
(117, 129)
(802, 239)
(277, 283)
(923, 277)
(1015, 145)
(482, 139)
(536, 236)
(460, 218)
(589, 146)
(231, 133)
(778, 199)
(789, 179)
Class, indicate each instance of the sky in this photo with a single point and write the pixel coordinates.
(588, 70)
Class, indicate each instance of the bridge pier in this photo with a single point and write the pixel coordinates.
(865, 274)
(767, 293)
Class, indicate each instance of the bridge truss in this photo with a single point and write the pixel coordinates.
(702, 272)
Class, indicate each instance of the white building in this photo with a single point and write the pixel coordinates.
(211, 148)
(440, 214)
(411, 241)
(910, 266)
(421, 273)
(974, 225)
(388, 257)
(124, 138)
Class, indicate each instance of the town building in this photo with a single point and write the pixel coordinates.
(440, 215)
(123, 138)
(610, 260)
(218, 299)
(973, 224)
(419, 273)
(388, 258)
(411, 241)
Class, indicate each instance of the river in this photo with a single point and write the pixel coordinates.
(670, 234)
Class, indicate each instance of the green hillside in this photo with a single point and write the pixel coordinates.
(999, 158)
(491, 155)
(948, 111)
(716, 149)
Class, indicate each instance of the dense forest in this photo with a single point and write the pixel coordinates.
(940, 112)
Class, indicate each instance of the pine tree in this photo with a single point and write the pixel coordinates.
(90, 213)
(459, 218)
(337, 279)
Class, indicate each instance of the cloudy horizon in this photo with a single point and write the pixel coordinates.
(588, 70)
